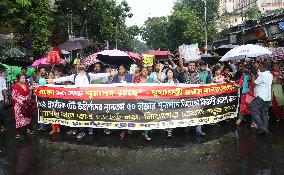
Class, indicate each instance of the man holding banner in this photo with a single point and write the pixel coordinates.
(191, 76)
(83, 78)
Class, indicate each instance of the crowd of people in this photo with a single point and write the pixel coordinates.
(261, 85)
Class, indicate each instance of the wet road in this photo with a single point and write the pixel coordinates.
(225, 150)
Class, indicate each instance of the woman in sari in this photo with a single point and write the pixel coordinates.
(247, 91)
(277, 102)
(20, 96)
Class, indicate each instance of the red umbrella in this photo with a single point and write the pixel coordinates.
(53, 57)
(134, 56)
(57, 49)
(157, 53)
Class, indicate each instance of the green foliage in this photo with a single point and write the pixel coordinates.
(155, 33)
(186, 25)
(32, 23)
(99, 20)
(197, 6)
(253, 13)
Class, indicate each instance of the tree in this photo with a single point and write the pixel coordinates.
(155, 33)
(253, 13)
(99, 20)
(197, 6)
(185, 27)
(32, 23)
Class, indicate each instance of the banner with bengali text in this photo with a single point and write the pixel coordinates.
(136, 106)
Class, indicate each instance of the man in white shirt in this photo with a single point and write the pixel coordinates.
(3, 100)
(262, 92)
(82, 78)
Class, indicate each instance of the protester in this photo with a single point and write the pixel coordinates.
(81, 78)
(55, 128)
(42, 82)
(170, 80)
(123, 76)
(227, 74)
(20, 95)
(154, 78)
(3, 100)
(217, 74)
(204, 73)
(260, 105)
(277, 93)
(143, 78)
(191, 76)
(239, 72)
(247, 91)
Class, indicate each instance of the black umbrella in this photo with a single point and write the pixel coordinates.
(115, 57)
(75, 43)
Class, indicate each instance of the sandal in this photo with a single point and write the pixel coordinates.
(70, 132)
(122, 135)
(41, 129)
(30, 132)
(51, 132)
(17, 137)
(238, 122)
(170, 135)
(253, 125)
(147, 138)
(3, 129)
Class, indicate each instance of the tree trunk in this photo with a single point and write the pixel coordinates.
(84, 22)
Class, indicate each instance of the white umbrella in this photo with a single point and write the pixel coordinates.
(245, 51)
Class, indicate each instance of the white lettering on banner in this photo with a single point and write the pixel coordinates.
(76, 93)
(89, 106)
(222, 100)
(41, 104)
(208, 101)
(61, 93)
(167, 105)
(114, 107)
(146, 106)
(72, 105)
(189, 103)
(55, 104)
(232, 98)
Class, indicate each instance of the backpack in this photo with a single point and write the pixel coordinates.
(88, 77)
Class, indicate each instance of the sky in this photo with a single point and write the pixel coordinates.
(142, 9)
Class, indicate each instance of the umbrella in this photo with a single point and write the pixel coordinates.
(53, 57)
(44, 62)
(135, 57)
(75, 43)
(245, 51)
(91, 59)
(158, 54)
(114, 57)
(277, 54)
(36, 63)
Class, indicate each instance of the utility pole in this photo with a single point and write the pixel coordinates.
(205, 21)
